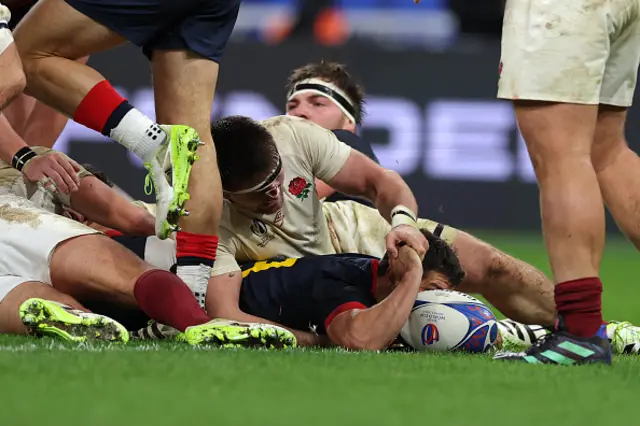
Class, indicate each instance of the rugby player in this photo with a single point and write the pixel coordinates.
(184, 41)
(51, 265)
(570, 69)
(25, 119)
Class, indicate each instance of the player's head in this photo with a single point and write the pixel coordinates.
(250, 165)
(440, 263)
(326, 94)
(441, 267)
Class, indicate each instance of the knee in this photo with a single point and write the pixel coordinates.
(606, 152)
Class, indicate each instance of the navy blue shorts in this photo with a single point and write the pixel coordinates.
(201, 26)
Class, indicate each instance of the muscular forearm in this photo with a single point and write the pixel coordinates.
(376, 327)
(104, 206)
(389, 192)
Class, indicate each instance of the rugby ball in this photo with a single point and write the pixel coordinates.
(447, 320)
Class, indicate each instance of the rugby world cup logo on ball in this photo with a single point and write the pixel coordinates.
(430, 334)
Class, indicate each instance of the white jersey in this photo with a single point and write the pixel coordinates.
(299, 228)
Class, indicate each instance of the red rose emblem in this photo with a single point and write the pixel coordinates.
(299, 187)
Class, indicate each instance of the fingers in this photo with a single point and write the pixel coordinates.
(392, 249)
(69, 175)
(55, 173)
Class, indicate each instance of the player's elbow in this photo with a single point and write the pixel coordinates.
(358, 336)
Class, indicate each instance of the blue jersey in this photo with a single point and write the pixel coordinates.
(308, 293)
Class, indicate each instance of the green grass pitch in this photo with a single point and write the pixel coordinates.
(46, 382)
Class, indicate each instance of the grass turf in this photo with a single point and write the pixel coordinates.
(47, 382)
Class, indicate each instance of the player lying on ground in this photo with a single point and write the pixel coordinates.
(184, 41)
(348, 300)
(48, 258)
(27, 122)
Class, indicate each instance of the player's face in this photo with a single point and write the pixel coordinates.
(320, 110)
(265, 201)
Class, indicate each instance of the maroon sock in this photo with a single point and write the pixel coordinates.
(167, 299)
(580, 304)
(195, 249)
(102, 108)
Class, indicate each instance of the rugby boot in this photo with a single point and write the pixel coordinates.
(48, 318)
(232, 334)
(173, 160)
(517, 336)
(624, 337)
(562, 348)
(154, 331)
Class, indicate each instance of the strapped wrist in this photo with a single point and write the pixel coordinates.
(22, 157)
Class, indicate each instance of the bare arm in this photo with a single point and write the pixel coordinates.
(103, 205)
(223, 295)
(385, 188)
(376, 327)
(323, 189)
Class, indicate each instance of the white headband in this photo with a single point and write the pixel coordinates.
(329, 91)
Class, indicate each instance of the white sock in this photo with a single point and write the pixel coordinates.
(197, 279)
(139, 134)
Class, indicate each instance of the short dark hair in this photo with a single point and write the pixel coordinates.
(439, 258)
(246, 151)
(102, 176)
(332, 72)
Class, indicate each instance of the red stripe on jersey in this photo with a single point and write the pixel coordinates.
(340, 309)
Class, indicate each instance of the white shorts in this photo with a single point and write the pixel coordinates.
(572, 51)
(28, 237)
(356, 228)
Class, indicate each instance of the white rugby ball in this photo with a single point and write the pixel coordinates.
(447, 320)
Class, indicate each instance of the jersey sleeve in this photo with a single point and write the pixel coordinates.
(225, 262)
(334, 297)
(324, 151)
(357, 143)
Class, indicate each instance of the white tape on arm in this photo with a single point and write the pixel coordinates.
(402, 215)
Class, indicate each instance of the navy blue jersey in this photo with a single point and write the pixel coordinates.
(309, 292)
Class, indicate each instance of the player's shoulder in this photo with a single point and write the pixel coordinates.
(290, 127)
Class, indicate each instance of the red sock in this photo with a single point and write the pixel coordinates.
(102, 108)
(167, 299)
(580, 304)
(195, 249)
